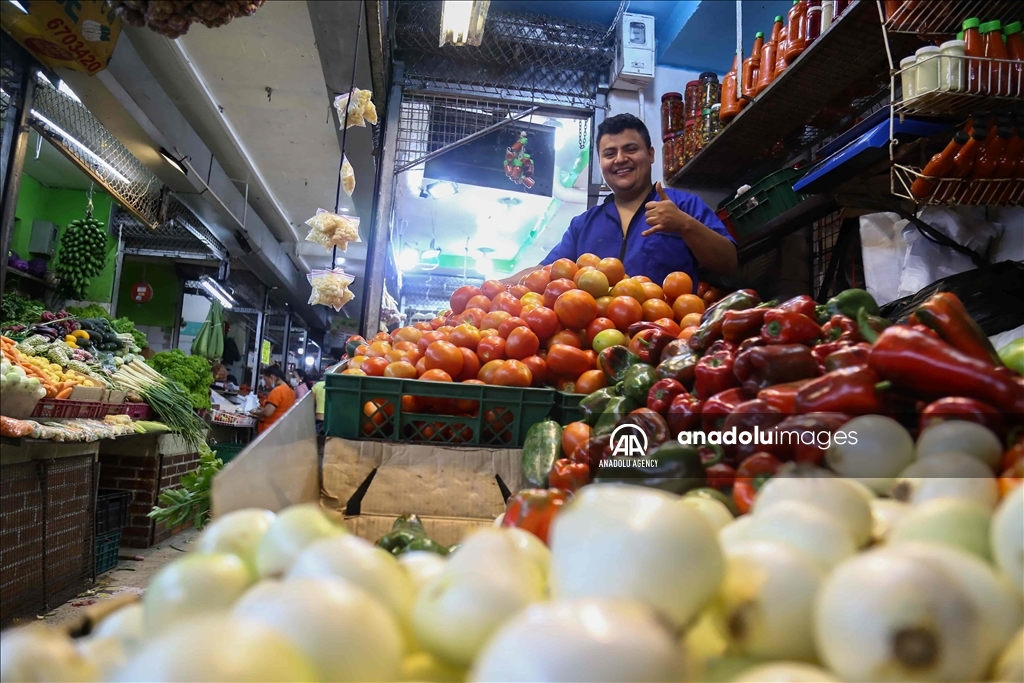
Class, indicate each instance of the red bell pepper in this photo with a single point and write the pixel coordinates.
(841, 328)
(533, 510)
(684, 414)
(960, 408)
(710, 454)
(749, 417)
(714, 374)
(720, 475)
(944, 313)
(740, 325)
(662, 393)
(798, 437)
(750, 343)
(649, 343)
(847, 390)
(650, 423)
(802, 304)
(762, 366)
(720, 345)
(593, 451)
(787, 327)
(718, 407)
(782, 397)
(848, 357)
(568, 475)
(826, 349)
(920, 363)
(752, 473)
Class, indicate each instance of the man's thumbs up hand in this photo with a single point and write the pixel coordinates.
(664, 214)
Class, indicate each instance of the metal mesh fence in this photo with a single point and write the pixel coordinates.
(427, 294)
(47, 536)
(80, 136)
(825, 236)
(521, 56)
(13, 62)
(180, 234)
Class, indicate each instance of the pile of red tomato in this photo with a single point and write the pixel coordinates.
(545, 331)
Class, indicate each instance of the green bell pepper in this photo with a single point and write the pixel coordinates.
(426, 544)
(1012, 355)
(850, 302)
(616, 409)
(593, 405)
(678, 470)
(638, 381)
(614, 361)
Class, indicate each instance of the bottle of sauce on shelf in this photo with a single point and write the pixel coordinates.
(1011, 161)
(973, 47)
(998, 74)
(963, 162)
(780, 53)
(1015, 51)
(731, 102)
(840, 7)
(766, 72)
(751, 68)
(938, 166)
(796, 30)
(812, 21)
(985, 165)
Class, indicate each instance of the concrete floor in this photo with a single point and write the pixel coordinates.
(130, 576)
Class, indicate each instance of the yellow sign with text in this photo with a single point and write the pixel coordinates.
(74, 34)
(265, 353)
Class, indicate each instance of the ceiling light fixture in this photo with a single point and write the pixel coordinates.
(408, 259)
(440, 190)
(85, 150)
(310, 360)
(559, 132)
(64, 88)
(462, 21)
(217, 291)
(176, 163)
(432, 253)
(484, 264)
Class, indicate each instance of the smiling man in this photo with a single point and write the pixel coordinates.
(653, 231)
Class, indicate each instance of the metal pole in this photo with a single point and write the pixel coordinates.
(285, 344)
(261, 319)
(176, 328)
(739, 46)
(118, 265)
(14, 164)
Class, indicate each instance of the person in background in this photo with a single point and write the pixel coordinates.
(279, 399)
(232, 383)
(320, 396)
(249, 400)
(220, 377)
(299, 377)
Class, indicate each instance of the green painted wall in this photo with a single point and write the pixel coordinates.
(158, 311)
(38, 202)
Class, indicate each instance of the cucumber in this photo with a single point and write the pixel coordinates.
(542, 447)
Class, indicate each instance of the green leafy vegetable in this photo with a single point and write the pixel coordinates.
(191, 372)
(16, 309)
(192, 499)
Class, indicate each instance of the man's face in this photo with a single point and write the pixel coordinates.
(625, 161)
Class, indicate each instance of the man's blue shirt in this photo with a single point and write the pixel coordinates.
(599, 231)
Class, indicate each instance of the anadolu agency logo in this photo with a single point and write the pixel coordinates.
(629, 441)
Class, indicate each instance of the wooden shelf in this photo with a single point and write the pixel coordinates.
(846, 64)
(27, 276)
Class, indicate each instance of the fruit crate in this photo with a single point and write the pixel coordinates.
(66, 408)
(108, 546)
(136, 411)
(769, 198)
(111, 510)
(411, 410)
(567, 408)
(227, 451)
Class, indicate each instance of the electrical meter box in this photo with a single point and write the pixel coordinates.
(634, 53)
(43, 240)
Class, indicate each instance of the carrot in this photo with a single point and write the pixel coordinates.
(64, 393)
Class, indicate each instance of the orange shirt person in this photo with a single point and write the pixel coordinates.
(280, 398)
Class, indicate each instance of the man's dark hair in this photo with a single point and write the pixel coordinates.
(274, 371)
(623, 122)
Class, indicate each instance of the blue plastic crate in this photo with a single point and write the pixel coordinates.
(107, 548)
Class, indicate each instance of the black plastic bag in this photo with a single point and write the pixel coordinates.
(993, 295)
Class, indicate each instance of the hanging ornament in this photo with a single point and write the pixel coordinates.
(518, 164)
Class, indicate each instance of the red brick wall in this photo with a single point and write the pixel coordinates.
(21, 541)
(171, 469)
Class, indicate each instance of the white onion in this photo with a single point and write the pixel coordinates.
(106, 654)
(585, 640)
(357, 560)
(735, 532)
(487, 581)
(1007, 537)
(40, 653)
(947, 475)
(721, 669)
(421, 566)
(618, 541)
(218, 648)
(293, 529)
(1010, 666)
(499, 519)
(961, 436)
(832, 495)
(995, 597)
(346, 633)
(714, 512)
(125, 624)
(238, 533)
(886, 514)
(767, 600)
(865, 491)
(806, 528)
(883, 448)
(955, 522)
(422, 666)
(533, 547)
(198, 583)
(885, 616)
(785, 672)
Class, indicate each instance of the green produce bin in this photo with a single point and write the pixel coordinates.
(361, 407)
(567, 408)
(227, 451)
(768, 199)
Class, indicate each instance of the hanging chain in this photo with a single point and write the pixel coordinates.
(88, 206)
(582, 136)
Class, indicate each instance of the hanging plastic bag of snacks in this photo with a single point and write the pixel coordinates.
(348, 176)
(361, 109)
(331, 230)
(330, 288)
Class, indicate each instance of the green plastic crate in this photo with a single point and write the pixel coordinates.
(769, 198)
(227, 451)
(567, 408)
(501, 417)
(107, 548)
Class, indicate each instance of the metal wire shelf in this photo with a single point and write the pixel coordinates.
(945, 16)
(1000, 86)
(963, 191)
